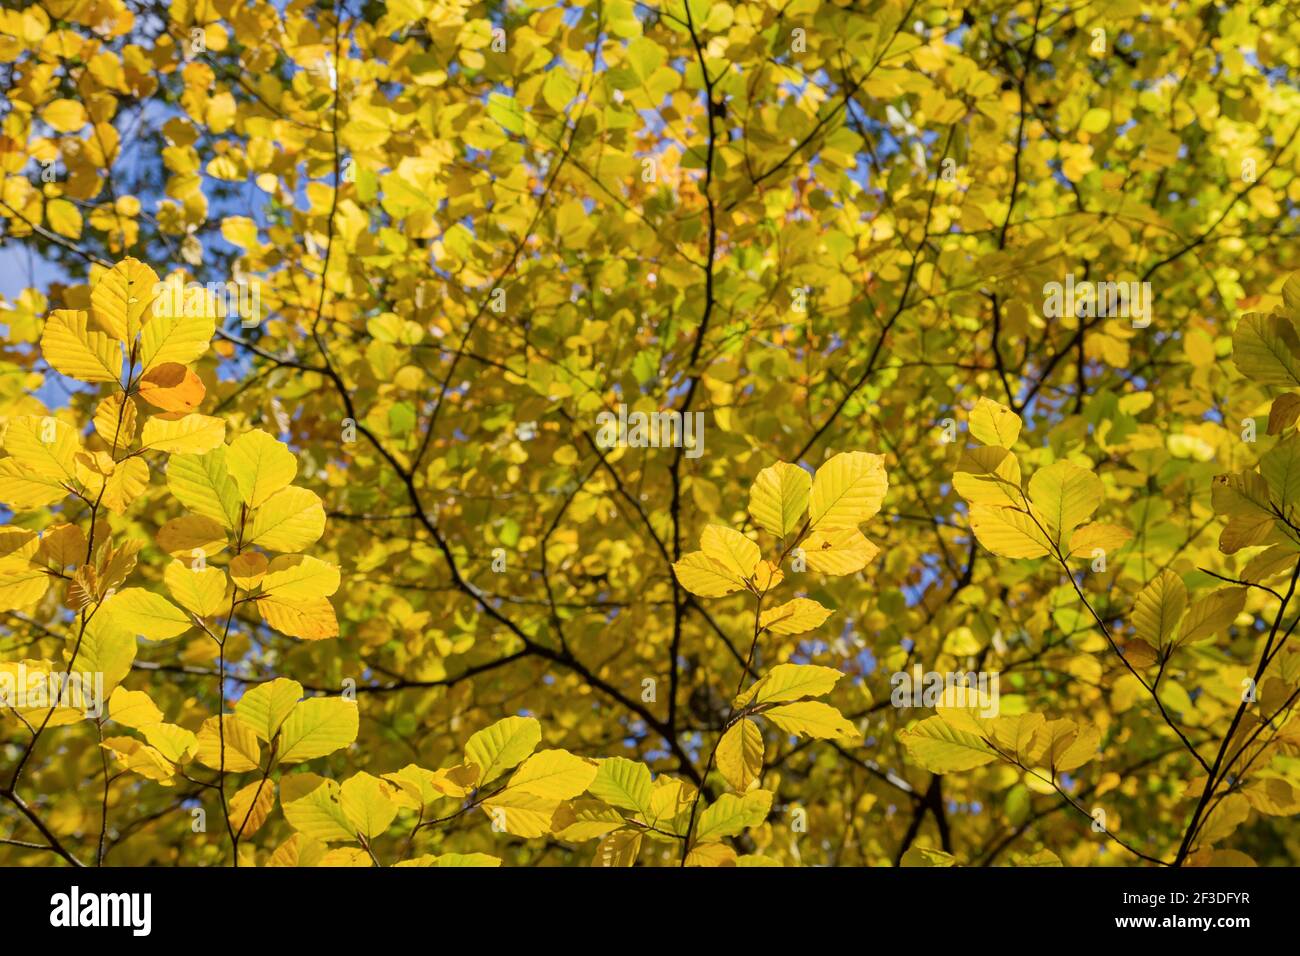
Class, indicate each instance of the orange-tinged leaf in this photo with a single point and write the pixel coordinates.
(309, 619)
(172, 388)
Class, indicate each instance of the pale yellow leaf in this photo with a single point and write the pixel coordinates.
(779, 497)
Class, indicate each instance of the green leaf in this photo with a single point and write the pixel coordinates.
(622, 783)
(940, 748)
(732, 814)
(1066, 496)
(1158, 609)
(497, 748)
(316, 727)
(264, 707)
(1266, 349)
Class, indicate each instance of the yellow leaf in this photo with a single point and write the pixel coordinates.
(188, 434)
(847, 490)
(1211, 614)
(18, 547)
(260, 466)
(202, 484)
(670, 805)
(115, 419)
(731, 549)
(452, 859)
(926, 856)
(248, 569)
(705, 577)
(121, 298)
(740, 754)
(189, 536)
(349, 856)
(45, 446)
(172, 388)
(176, 337)
(1063, 745)
(125, 484)
(794, 617)
(1266, 349)
(1019, 734)
(291, 519)
(1095, 120)
(1107, 537)
(299, 577)
(1280, 469)
(242, 750)
(133, 708)
(298, 850)
(201, 591)
(64, 218)
(170, 740)
(71, 347)
(812, 718)
(263, 708)
(367, 804)
(1009, 533)
(316, 812)
(22, 587)
(711, 854)
(994, 424)
(64, 115)
(618, 849)
(22, 489)
(1283, 413)
(779, 497)
(419, 788)
(239, 231)
(989, 476)
(787, 682)
(106, 649)
(554, 774)
(1158, 609)
(1065, 495)
(251, 806)
(62, 545)
(577, 821)
(139, 757)
(767, 576)
(1222, 821)
(521, 813)
(844, 551)
(146, 614)
(309, 619)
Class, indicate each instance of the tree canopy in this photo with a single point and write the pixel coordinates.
(850, 432)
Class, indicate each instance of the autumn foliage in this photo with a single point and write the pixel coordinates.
(952, 515)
